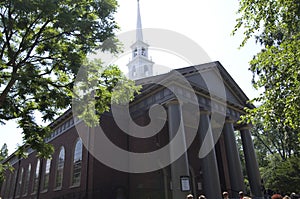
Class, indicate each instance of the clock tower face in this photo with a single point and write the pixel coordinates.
(140, 65)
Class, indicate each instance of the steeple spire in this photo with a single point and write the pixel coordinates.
(140, 66)
(139, 32)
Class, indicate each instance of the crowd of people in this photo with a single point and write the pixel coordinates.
(242, 196)
(292, 196)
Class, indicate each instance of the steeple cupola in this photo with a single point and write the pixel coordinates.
(140, 65)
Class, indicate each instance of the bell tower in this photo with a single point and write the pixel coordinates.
(140, 65)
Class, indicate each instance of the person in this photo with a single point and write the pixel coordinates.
(202, 197)
(276, 196)
(241, 194)
(189, 196)
(294, 196)
(225, 195)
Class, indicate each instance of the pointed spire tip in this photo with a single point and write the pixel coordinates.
(139, 33)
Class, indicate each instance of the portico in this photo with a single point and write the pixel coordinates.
(220, 169)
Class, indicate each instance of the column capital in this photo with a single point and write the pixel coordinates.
(229, 120)
(172, 102)
(203, 111)
(244, 127)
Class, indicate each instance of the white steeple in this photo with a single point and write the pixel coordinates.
(139, 32)
(140, 65)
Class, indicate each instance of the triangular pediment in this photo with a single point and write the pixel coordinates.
(207, 79)
(213, 78)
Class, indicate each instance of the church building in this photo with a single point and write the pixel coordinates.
(195, 146)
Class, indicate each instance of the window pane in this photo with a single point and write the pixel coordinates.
(46, 175)
(3, 187)
(27, 178)
(36, 177)
(12, 185)
(19, 183)
(60, 168)
(77, 163)
(6, 187)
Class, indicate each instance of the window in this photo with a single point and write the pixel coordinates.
(46, 175)
(8, 185)
(135, 52)
(19, 183)
(77, 160)
(143, 51)
(12, 185)
(146, 70)
(60, 168)
(5, 186)
(133, 71)
(27, 178)
(36, 177)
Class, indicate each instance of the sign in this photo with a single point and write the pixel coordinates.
(185, 183)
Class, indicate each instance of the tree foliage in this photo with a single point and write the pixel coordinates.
(276, 26)
(96, 89)
(43, 43)
(3, 166)
(283, 144)
(282, 176)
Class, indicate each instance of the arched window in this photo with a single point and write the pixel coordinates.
(46, 175)
(146, 70)
(4, 187)
(77, 161)
(36, 177)
(135, 52)
(133, 71)
(12, 185)
(19, 183)
(27, 178)
(60, 168)
(143, 51)
(8, 186)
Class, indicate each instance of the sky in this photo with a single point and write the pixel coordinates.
(208, 23)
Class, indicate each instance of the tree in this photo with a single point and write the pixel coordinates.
(43, 43)
(3, 166)
(282, 176)
(278, 157)
(284, 144)
(97, 89)
(276, 26)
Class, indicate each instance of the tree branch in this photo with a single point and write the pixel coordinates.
(265, 144)
(8, 87)
(36, 41)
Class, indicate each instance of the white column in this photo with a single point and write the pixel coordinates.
(233, 160)
(180, 167)
(209, 165)
(251, 163)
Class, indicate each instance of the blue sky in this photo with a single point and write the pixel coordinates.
(208, 23)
